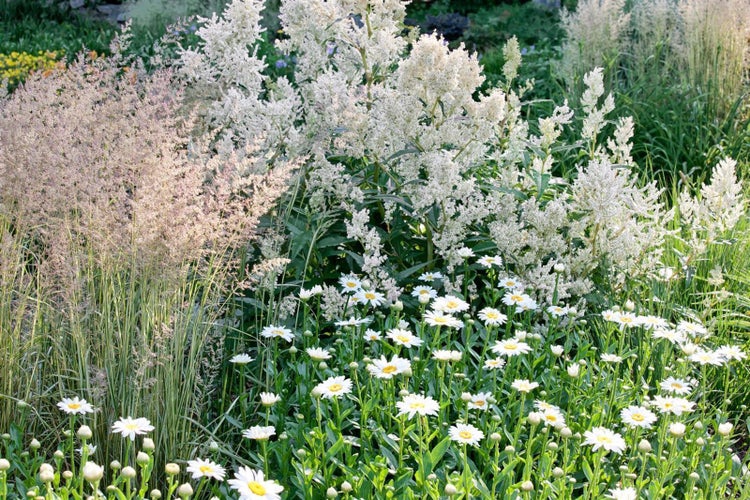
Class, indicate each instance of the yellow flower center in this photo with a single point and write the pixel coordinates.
(131, 426)
(416, 405)
(205, 469)
(516, 298)
(451, 304)
(465, 435)
(479, 402)
(637, 417)
(369, 295)
(676, 385)
(626, 319)
(389, 369)
(74, 406)
(491, 315)
(604, 439)
(551, 417)
(335, 387)
(256, 488)
(511, 346)
(403, 338)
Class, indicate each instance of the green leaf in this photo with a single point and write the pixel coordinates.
(436, 454)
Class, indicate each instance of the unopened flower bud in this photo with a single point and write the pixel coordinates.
(698, 425)
(566, 433)
(574, 370)
(331, 492)
(725, 429)
(155, 494)
(67, 475)
(694, 476)
(4, 464)
(292, 350)
(148, 444)
(397, 306)
(558, 472)
(84, 432)
(629, 305)
(465, 397)
(346, 487)
(644, 446)
(92, 472)
(450, 490)
(535, 418)
(128, 472)
(700, 441)
(58, 454)
(677, 429)
(46, 476)
(213, 446)
(495, 436)
(184, 490)
(35, 444)
(115, 465)
(172, 469)
(557, 350)
(142, 458)
(527, 486)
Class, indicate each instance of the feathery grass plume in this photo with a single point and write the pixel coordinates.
(129, 234)
(713, 48)
(596, 35)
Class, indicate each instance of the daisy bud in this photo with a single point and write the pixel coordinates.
(557, 350)
(558, 472)
(496, 418)
(450, 490)
(535, 418)
(689, 348)
(465, 397)
(527, 486)
(559, 268)
(115, 465)
(574, 370)
(67, 475)
(46, 468)
(431, 477)
(172, 469)
(353, 365)
(155, 494)
(629, 305)
(185, 490)
(59, 455)
(566, 433)
(552, 445)
(677, 429)
(397, 306)
(35, 444)
(510, 449)
(694, 476)
(84, 432)
(213, 446)
(495, 436)
(292, 350)
(46, 476)
(423, 298)
(725, 429)
(698, 425)
(142, 458)
(644, 446)
(331, 492)
(322, 365)
(403, 393)
(407, 372)
(700, 441)
(148, 444)
(301, 453)
(128, 472)
(92, 473)
(316, 392)
(346, 487)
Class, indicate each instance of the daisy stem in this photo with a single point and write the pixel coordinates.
(593, 486)
(401, 437)
(466, 474)
(264, 450)
(71, 444)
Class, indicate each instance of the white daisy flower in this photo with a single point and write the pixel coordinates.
(132, 427)
(375, 299)
(259, 432)
(652, 322)
(269, 398)
(670, 334)
(601, 437)
(524, 385)
(350, 283)
(492, 317)
(638, 416)
(251, 485)
(557, 311)
(430, 276)
(353, 321)
(417, 404)
(674, 405)
(676, 386)
(382, 368)
(333, 387)
(241, 359)
(437, 318)
(422, 291)
(450, 304)
(404, 337)
(447, 355)
(490, 260)
(628, 493)
(272, 331)
(200, 468)
(611, 358)
(494, 363)
(692, 329)
(510, 347)
(371, 335)
(510, 284)
(731, 352)
(703, 357)
(465, 434)
(479, 401)
(75, 406)
(318, 353)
